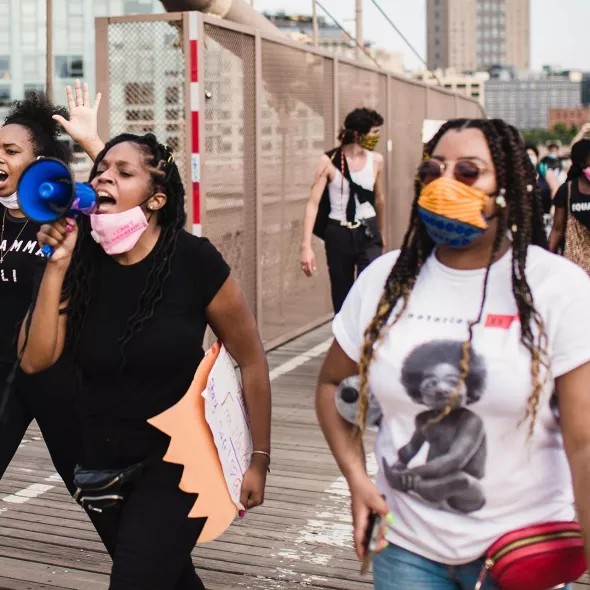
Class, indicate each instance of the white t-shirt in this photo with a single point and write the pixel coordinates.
(478, 477)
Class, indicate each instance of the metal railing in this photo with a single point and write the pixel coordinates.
(248, 115)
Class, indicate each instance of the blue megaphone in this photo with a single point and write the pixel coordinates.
(47, 192)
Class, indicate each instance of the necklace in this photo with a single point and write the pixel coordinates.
(3, 254)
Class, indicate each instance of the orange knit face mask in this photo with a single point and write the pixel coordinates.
(452, 211)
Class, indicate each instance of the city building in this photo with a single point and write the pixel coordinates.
(525, 101)
(23, 27)
(333, 39)
(586, 89)
(575, 117)
(471, 85)
(470, 35)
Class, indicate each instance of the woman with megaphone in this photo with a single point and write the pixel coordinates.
(30, 132)
(129, 293)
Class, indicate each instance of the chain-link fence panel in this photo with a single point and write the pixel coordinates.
(229, 151)
(147, 82)
(408, 110)
(297, 125)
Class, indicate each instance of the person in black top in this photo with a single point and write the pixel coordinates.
(31, 131)
(571, 226)
(133, 314)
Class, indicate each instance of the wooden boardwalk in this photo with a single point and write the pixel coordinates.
(300, 538)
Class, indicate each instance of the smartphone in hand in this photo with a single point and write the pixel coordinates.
(374, 531)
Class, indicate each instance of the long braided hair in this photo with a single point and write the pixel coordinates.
(171, 218)
(523, 215)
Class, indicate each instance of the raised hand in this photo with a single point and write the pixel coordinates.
(83, 124)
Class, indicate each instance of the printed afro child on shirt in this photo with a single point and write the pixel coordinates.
(457, 441)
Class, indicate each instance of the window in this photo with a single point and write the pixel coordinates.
(139, 115)
(28, 7)
(75, 33)
(69, 66)
(75, 7)
(4, 67)
(33, 69)
(5, 95)
(5, 26)
(172, 95)
(136, 93)
(173, 143)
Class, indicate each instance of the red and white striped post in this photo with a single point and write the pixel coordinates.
(195, 98)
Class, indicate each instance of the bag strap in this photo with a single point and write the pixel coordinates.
(569, 194)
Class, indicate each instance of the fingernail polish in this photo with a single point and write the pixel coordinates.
(390, 519)
(242, 513)
(69, 229)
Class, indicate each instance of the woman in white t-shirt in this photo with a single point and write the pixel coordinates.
(463, 336)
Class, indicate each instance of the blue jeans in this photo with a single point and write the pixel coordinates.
(397, 569)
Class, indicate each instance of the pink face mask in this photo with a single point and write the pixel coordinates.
(587, 172)
(118, 233)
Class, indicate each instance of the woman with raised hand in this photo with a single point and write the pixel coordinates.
(463, 336)
(128, 293)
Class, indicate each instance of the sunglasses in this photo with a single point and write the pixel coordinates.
(465, 171)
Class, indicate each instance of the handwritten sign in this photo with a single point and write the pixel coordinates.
(225, 412)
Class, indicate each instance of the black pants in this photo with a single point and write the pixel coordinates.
(48, 398)
(349, 252)
(150, 536)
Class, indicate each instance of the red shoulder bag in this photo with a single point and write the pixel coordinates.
(536, 557)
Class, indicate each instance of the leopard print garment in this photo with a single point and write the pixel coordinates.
(577, 237)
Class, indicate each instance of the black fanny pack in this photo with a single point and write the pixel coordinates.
(100, 489)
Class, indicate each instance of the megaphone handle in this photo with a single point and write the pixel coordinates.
(47, 251)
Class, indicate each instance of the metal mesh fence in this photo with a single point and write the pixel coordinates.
(439, 104)
(261, 144)
(297, 124)
(407, 112)
(229, 152)
(147, 81)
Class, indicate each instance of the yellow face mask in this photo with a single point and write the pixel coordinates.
(369, 142)
(452, 211)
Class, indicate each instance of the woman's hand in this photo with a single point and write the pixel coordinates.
(83, 124)
(308, 265)
(61, 236)
(254, 482)
(365, 498)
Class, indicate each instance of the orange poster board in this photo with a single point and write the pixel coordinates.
(192, 445)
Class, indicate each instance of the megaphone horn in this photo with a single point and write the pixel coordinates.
(47, 192)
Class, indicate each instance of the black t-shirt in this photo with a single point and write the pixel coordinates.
(161, 359)
(20, 268)
(580, 202)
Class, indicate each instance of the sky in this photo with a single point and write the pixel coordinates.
(559, 28)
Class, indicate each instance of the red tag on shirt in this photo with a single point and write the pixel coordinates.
(500, 321)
